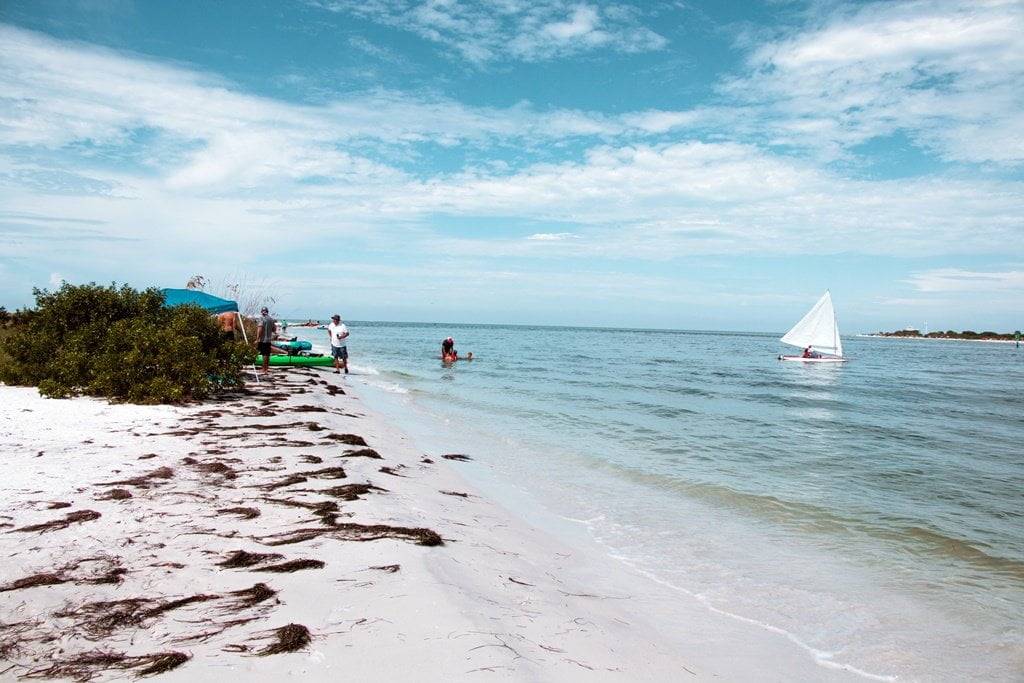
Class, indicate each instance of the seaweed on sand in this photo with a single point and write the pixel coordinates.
(350, 492)
(455, 493)
(110, 572)
(362, 453)
(70, 518)
(308, 409)
(456, 456)
(98, 620)
(327, 473)
(85, 666)
(43, 579)
(290, 638)
(13, 637)
(326, 510)
(216, 467)
(239, 559)
(250, 597)
(291, 566)
(289, 480)
(355, 532)
(242, 512)
(311, 459)
(115, 494)
(349, 439)
(143, 481)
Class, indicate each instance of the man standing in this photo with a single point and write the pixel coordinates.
(339, 349)
(265, 335)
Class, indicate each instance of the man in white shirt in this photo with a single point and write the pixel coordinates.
(338, 333)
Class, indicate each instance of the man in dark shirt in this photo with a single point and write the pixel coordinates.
(265, 335)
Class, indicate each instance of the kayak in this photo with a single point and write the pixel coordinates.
(293, 345)
(307, 361)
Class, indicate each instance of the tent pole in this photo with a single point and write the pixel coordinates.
(241, 323)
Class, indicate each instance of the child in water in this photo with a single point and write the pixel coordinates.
(448, 352)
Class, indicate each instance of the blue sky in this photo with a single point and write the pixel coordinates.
(657, 164)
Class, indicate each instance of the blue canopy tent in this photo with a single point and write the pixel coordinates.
(213, 304)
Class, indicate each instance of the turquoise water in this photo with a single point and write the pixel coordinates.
(873, 511)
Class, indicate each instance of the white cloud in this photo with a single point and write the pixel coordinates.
(220, 168)
(510, 29)
(56, 279)
(957, 280)
(551, 236)
(948, 73)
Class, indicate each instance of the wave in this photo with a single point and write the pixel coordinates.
(807, 518)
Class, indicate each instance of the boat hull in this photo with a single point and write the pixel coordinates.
(801, 359)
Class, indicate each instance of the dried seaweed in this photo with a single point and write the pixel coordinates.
(456, 456)
(144, 481)
(351, 531)
(289, 480)
(243, 512)
(350, 439)
(363, 453)
(327, 473)
(291, 566)
(250, 597)
(44, 579)
(98, 620)
(350, 492)
(240, 558)
(85, 666)
(115, 494)
(290, 638)
(70, 518)
(326, 510)
(308, 409)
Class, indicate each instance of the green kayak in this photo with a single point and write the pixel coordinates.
(276, 359)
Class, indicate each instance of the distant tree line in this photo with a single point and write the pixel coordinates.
(950, 334)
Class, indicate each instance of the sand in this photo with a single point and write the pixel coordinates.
(288, 532)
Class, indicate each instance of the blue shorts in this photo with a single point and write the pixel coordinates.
(340, 352)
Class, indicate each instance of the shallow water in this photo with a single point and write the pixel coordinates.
(873, 511)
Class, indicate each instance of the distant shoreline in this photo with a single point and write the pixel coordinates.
(922, 338)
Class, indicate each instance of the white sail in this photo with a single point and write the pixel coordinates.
(818, 329)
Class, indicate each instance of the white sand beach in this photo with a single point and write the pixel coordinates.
(209, 540)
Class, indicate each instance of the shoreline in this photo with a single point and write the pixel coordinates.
(389, 555)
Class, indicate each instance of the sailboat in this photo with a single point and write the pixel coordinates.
(819, 331)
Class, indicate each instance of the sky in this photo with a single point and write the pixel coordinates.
(677, 164)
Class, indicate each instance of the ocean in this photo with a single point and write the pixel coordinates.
(872, 512)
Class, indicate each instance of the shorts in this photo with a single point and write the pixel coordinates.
(263, 348)
(340, 352)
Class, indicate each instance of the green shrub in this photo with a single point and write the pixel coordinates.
(120, 343)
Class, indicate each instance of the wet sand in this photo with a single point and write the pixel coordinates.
(288, 532)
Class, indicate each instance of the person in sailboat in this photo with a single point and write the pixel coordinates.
(811, 353)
